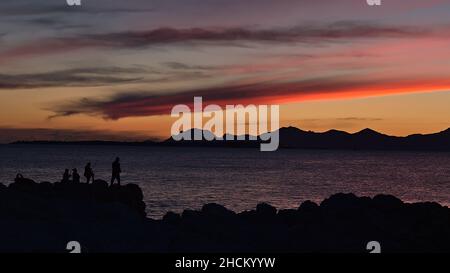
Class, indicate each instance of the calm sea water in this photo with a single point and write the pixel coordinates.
(174, 179)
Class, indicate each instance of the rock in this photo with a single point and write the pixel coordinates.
(308, 207)
(100, 184)
(344, 202)
(217, 211)
(45, 216)
(171, 218)
(288, 216)
(265, 210)
(387, 202)
(100, 190)
(190, 215)
(132, 192)
(61, 193)
(45, 188)
(23, 184)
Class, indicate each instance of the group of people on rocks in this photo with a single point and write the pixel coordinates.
(89, 173)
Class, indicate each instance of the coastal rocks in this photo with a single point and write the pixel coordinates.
(45, 216)
(217, 211)
(171, 218)
(341, 223)
(97, 194)
(265, 210)
(387, 202)
(308, 207)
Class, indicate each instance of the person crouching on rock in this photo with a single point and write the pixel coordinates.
(116, 171)
(66, 176)
(75, 176)
(88, 173)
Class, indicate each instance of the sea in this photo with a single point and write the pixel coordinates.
(179, 178)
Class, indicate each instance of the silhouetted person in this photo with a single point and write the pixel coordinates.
(116, 171)
(19, 178)
(75, 176)
(88, 173)
(66, 176)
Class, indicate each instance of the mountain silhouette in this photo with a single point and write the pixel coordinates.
(295, 138)
(366, 139)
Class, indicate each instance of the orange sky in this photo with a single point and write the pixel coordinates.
(70, 75)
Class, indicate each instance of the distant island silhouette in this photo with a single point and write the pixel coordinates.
(44, 217)
(292, 137)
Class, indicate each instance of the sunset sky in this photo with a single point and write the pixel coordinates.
(114, 69)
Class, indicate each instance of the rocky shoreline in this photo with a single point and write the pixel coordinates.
(44, 217)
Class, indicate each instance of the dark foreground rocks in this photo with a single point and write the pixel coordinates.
(44, 217)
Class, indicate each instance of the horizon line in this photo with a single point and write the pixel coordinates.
(192, 129)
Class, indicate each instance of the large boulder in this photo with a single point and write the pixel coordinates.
(387, 203)
(217, 211)
(265, 210)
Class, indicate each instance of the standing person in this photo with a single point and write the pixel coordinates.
(75, 176)
(66, 176)
(89, 173)
(116, 171)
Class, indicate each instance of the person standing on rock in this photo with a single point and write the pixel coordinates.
(116, 171)
(66, 176)
(89, 173)
(75, 176)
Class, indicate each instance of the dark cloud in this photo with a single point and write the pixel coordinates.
(183, 66)
(134, 104)
(78, 77)
(299, 34)
(100, 76)
(312, 34)
(45, 21)
(53, 22)
(49, 7)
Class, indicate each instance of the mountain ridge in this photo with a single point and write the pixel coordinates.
(293, 137)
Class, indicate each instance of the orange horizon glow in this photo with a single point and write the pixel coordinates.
(345, 67)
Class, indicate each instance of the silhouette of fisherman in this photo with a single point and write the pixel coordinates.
(75, 176)
(88, 173)
(22, 180)
(116, 171)
(66, 176)
(19, 178)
